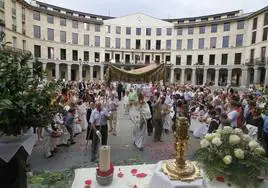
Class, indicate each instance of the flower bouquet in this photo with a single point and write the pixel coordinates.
(230, 154)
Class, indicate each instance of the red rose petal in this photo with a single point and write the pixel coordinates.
(220, 178)
(141, 175)
(134, 171)
(87, 186)
(88, 182)
(120, 174)
(135, 186)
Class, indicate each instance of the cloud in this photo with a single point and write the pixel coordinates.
(159, 8)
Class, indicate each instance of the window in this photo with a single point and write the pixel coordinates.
(214, 28)
(190, 44)
(168, 44)
(117, 58)
(255, 23)
(224, 59)
(107, 57)
(86, 55)
(239, 40)
(158, 45)
(138, 43)
(14, 42)
(251, 58)
(62, 21)
(188, 59)
(178, 60)
(117, 42)
(50, 53)
(128, 46)
(253, 38)
(237, 58)
(148, 45)
(75, 38)
(179, 31)
(240, 24)
(37, 31)
(63, 54)
(75, 24)
(148, 31)
(213, 42)
(50, 34)
(36, 15)
(138, 31)
(157, 59)
(86, 39)
(107, 42)
(202, 29)
(86, 26)
(97, 56)
(212, 59)
(108, 29)
(167, 58)
(63, 36)
(37, 51)
(50, 19)
(23, 44)
(97, 41)
(201, 43)
(263, 53)
(75, 55)
(225, 41)
(226, 27)
(179, 44)
(169, 31)
(190, 30)
(147, 59)
(158, 31)
(97, 28)
(118, 30)
(264, 34)
(265, 19)
(200, 59)
(128, 30)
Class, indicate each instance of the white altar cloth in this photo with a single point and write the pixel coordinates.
(128, 180)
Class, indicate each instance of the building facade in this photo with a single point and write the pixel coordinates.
(222, 48)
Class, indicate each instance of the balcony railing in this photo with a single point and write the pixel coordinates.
(14, 27)
(2, 4)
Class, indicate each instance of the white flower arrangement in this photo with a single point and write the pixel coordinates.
(230, 153)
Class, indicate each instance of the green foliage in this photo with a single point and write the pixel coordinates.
(46, 179)
(242, 172)
(23, 103)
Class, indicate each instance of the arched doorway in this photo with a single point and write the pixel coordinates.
(236, 77)
(251, 75)
(50, 70)
(223, 76)
(63, 71)
(188, 75)
(210, 76)
(74, 72)
(199, 76)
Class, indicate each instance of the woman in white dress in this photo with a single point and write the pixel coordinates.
(82, 114)
(139, 116)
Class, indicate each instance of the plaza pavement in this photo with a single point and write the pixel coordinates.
(123, 152)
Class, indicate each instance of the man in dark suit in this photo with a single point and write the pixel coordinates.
(149, 121)
(119, 90)
(89, 129)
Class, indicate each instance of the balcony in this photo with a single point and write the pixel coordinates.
(18, 50)
(14, 27)
(261, 61)
(23, 31)
(249, 62)
(2, 5)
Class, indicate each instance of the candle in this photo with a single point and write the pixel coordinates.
(104, 158)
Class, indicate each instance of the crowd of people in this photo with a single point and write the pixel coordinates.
(152, 109)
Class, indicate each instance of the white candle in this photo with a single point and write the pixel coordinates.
(104, 158)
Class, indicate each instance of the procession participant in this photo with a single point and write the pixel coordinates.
(82, 111)
(69, 123)
(233, 114)
(126, 102)
(150, 120)
(158, 117)
(89, 135)
(119, 90)
(265, 130)
(139, 118)
(98, 121)
(167, 120)
(111, 106)
(214, 123)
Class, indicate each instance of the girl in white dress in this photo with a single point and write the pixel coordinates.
(126, 102)
(82, 113)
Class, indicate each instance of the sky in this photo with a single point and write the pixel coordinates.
(159, 8)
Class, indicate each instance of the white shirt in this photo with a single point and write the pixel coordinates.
(232, 115)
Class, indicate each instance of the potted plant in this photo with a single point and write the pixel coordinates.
(233, 156)
(24, 103)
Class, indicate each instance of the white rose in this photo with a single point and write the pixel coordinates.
(259, 151)
(209, 137)
(204, 143)
(237, 131)
(217, 141)
(239, 153)
(234, 139)
(228, 129)
(227, 159)
(246, 137)
(253, 144)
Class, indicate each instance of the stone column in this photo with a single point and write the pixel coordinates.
(266, 76)
(229, 77)
(91, 73)
(182, 76)
(102, 73)
(193, 76)
(44, 66)
(244, 77)
(69, 72)
(216, 81)
(57, 71)
(172, 75)
(205, 76)
(256, 76)
(80, 70)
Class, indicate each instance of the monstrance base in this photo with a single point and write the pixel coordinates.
(188, 173)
